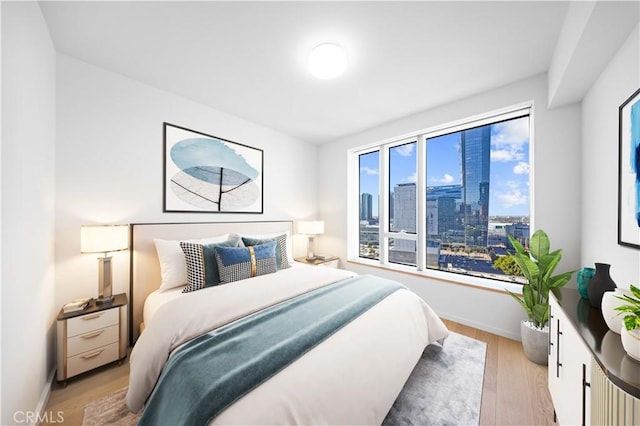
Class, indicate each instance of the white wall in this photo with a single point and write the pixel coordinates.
(28, 152)
(109, 164)
(556, 162)
(599, 205)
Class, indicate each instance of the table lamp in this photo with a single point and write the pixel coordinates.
(311, 229)
(104, 239)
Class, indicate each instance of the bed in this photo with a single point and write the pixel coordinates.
(351, 374)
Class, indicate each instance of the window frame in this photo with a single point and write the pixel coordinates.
(420, 137)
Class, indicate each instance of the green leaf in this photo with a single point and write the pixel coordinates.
(528, 267)
(517, 246)
(548, 263)
(560, 280)
(539, 244)
(635, 291)
(521, 302)
(541, 314)
(631, 322)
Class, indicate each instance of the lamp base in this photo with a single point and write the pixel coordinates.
(105, 300)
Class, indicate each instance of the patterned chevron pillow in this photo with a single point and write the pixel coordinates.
(239, 263)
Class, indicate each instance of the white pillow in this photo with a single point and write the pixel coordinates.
(173, 267)
(273, 235)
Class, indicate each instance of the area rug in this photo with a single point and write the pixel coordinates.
(445, 388)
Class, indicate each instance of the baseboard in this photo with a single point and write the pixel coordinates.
(44, 398)
(498, 331)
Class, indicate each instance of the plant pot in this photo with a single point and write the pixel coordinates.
(631, 342)
(610, 302)
(535, 342)
(599, 284)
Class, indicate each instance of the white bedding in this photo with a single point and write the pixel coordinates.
(159, 297)
(353, 377)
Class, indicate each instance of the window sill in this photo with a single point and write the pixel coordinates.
(459, 279)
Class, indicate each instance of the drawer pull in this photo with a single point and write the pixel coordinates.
(92, 335)
(93, 355)
(90, 317)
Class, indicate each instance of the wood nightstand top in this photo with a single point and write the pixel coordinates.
(118, 300)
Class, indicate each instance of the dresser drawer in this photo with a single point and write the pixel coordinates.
(92, 322)
(92, 340)
(91, 359)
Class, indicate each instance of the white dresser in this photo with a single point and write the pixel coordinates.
(591, 379)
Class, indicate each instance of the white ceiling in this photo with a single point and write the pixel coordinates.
(249, 58)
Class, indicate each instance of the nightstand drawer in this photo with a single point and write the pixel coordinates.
(91, 322)
(93, 339)
(91, 359)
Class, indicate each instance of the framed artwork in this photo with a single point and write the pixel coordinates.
(629, 172)
(207, 174)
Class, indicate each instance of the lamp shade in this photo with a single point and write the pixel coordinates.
(312, 227)
(103, 238)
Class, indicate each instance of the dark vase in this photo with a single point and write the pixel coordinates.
(599, 284)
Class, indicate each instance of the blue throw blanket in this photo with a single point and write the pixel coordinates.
(216, 369)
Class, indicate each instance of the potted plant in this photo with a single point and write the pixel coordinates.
(631, 331)
(537, 264)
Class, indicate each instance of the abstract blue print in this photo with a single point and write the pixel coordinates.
(635, 153)
(209, 174)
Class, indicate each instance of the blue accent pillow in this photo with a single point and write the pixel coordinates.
(239, 263)
(282, 262)
(202, 267)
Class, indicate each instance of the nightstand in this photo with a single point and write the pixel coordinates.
(330, 262)
(91, 338)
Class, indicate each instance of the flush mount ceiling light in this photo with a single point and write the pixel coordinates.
(327, 61)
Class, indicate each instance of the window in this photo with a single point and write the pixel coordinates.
(448, 198)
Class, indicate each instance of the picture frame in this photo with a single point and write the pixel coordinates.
(629, 172)
(207, 174)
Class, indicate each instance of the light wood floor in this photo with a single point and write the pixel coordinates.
(514, 393)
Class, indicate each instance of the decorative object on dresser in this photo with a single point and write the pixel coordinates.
(630, 332)
(629, 173)
(537, 264)
(207, 174)
(583, 277)
(311, 229)
(610, 301)
(104, 239)
(91, 338)
(599, 284)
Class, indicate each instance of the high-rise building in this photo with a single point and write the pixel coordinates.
(366, 206)
(475, 152)
(404, 207)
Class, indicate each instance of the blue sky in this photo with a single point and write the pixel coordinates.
(509, 166)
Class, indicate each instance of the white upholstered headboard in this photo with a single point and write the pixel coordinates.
(145, 268)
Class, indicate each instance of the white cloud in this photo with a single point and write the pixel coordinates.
(511, 133)
(506, 155)
(413, 178)
(511, 198)
(521, 168)
(368, 170)
(405, 150)
(447, 178)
